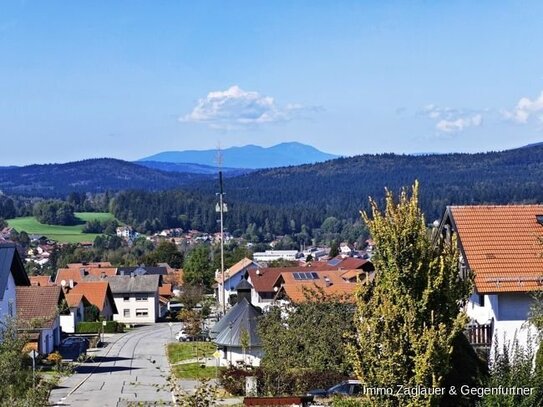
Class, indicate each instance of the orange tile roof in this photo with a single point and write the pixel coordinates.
(174, 277)
(78, 274)
(236, 268)
(501, 246)
(73, 300)
(96, 292)
(165, 290)
(40, 280)
(354, 274)
(38, 304)
(91, 264)
(296, 290)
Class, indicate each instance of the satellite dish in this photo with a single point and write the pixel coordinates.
(436, 223)
(258, 272)
(63, 283)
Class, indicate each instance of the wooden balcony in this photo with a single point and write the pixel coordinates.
(480, 335)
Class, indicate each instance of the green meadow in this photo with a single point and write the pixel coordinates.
(62, 234)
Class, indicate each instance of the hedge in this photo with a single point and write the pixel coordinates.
(96, 327)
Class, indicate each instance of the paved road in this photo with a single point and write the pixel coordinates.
(131, 369)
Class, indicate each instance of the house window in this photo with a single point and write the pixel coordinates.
(10, 308)
(142, 312)
(126, 313)
(126, 298)
(481, 300)
(141, 298)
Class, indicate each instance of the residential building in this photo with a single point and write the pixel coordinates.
(232, 277)
(136, 297)
(500, 245)
(263, 279)
(98, 293)
(301, 285)
(272, 255)
(41, 281)
(78, 272)
(12, 275)
(142, 270)
(76, 304)
(38, 315)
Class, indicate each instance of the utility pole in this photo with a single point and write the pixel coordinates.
(221, 209)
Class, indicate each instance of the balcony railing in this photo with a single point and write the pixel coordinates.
(480, 335)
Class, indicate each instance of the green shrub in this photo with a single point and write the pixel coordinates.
(96, 327)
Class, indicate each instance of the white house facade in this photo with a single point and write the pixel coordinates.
(136, 298)
(499, 245)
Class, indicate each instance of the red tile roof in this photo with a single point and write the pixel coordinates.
(329, 283)
(73, 300)
(40, 280)
(264, 278)
(236, 268)
(78, 274)
(165, 290)
(38, 306)
(501, 245)
(96, 292)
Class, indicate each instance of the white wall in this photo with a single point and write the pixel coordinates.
(233, 355)
(68, 322)
(9, 302)
(510, 312)
(133, 306)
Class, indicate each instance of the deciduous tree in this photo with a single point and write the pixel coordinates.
(409, 316)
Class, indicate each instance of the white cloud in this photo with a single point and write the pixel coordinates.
(236, 107)
(453, 126)
(449, 120)
(525, 109)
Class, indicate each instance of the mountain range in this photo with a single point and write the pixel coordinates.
(246, 157)
(338, 187)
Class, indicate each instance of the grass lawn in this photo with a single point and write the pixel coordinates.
(193, 371)
(189, 350)
(63, 234)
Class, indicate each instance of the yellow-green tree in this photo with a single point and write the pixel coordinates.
(409, 316)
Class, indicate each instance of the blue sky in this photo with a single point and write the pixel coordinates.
(127, 79)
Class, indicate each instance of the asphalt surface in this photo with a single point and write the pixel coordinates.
(131, 370)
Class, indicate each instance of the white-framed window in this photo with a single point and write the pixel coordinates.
(142, 312)
(10, 308)
(126, 313)
(141, 298)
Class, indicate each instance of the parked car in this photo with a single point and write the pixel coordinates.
(73, 346)
(345, 388)
(182, 336)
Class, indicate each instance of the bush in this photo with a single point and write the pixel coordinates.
(54, 357)
(96, 327)
(296, 381)
(232, 379)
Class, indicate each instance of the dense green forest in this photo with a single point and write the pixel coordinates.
(341, 187)
(95, 175)
(297, 200)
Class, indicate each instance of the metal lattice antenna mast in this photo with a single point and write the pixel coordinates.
(221, 211)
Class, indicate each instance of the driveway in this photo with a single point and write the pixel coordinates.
(131, 370)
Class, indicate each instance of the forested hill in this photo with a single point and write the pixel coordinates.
(96, 175)
(341, 187)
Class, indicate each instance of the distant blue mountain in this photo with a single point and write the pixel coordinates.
(250, 156)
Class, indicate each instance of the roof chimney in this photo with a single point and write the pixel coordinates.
(327, 281)
(71, 283)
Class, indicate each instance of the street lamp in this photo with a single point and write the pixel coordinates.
(222, 208)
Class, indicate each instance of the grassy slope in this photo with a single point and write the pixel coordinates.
(64, 234)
